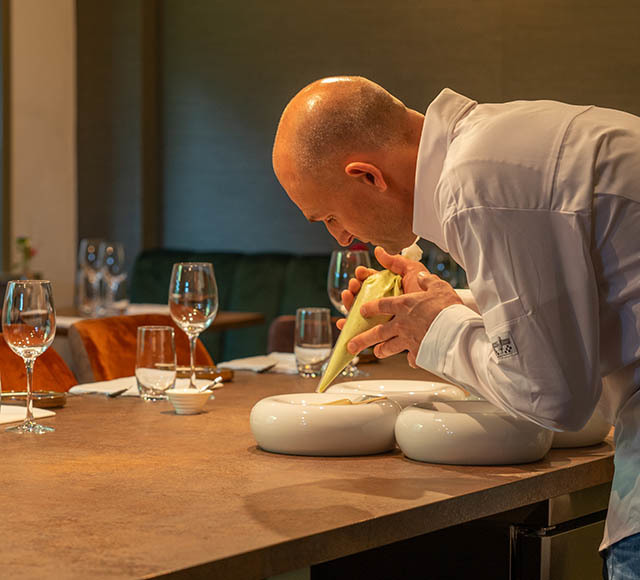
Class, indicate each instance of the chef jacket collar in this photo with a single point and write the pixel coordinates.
(441, 116)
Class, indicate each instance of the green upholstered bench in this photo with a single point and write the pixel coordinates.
(272, 284)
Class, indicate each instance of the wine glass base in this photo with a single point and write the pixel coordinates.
(351, 370)
(31, 427)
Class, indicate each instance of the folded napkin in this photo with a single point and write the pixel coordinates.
(108, 387)
(115, 385)
(147, 309)
(66, 321)
(274, 362)
(16, 414)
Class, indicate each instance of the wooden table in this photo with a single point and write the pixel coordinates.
(224, 320)
(126, 489)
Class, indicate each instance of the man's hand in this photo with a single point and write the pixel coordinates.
(408, 269)
(413, 314)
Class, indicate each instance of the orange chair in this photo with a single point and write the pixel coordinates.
(50, 372)
(105, 348)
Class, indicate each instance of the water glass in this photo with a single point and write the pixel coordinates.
(155, 361)
(312, 342)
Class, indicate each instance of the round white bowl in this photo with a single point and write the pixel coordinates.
(403, 392)
(469, 433)
(594, 432)
(188, 401)
(303, 424)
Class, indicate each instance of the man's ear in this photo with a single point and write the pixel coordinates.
(367, 174)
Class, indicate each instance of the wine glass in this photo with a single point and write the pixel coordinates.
(29, 327)
(89, 276)
(111, 258)
(341, 269)
(193, 302)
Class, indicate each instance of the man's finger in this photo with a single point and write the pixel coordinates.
(340, 323)
(347, 298)
(377, 334)
(354, 286)
(389, 347)
(394, 262)
(391, 306)
(425, 279)
(362, 273)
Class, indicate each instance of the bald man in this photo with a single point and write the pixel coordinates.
(540, 203)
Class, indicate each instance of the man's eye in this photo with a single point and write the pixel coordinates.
(330, 219)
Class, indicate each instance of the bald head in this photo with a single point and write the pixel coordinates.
(345, 152)
(335, 117)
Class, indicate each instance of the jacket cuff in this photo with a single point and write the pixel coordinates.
(437, 346)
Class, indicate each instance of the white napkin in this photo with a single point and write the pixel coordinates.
(107, 387)
(274, 362)
(15, 413)
(66, 321)
(148, 309)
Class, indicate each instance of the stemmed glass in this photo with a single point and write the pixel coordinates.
(111, 257)
(29, 327)
(193, 302)
(341, 269)
(89, 276)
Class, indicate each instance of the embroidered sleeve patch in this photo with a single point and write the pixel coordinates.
(504, 346)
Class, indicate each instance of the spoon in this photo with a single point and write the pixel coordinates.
(214, 384)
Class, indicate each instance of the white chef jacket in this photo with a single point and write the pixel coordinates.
(539, 201)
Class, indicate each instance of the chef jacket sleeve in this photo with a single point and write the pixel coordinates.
(533, 351)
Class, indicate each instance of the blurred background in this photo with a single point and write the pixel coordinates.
(151, 122)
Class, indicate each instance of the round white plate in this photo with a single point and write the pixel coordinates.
(403, 392)
(303, 424)
(469, 433)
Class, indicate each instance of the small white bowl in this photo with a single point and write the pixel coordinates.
(469, 433)
(403, 392)
(303, 424)
(594, 432)
(188, 401)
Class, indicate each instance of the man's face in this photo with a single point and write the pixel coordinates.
(351, 210)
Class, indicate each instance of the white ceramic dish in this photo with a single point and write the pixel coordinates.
(188, 401)
(469, 433)
(303, 424)
(403, 392)
(594, 432)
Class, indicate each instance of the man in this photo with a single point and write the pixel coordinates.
(540, 203)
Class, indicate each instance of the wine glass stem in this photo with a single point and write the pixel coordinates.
(192, 356)
(28, 363)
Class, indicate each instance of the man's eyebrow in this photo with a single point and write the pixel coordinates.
(313, 218)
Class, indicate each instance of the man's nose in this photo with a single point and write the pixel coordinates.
(343, 237)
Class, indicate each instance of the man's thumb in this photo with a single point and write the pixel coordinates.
(423, 280)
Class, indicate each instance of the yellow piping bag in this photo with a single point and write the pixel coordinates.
(378, 285)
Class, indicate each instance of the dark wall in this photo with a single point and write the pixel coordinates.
(227, 69)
